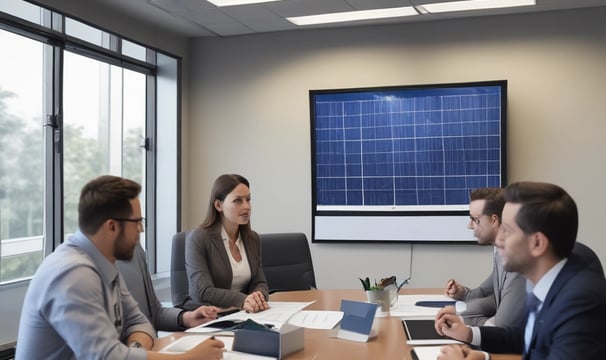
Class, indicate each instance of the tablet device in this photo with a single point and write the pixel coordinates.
(422, 332)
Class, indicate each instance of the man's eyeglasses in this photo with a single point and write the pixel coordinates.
(140, 221)
(475, 220)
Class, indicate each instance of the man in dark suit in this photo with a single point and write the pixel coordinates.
(568, 307)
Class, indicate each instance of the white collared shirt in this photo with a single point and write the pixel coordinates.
(540, 290)
(241, 274)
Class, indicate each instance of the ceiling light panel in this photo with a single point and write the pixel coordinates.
(468, 5)
(221, 3)
(352, 16)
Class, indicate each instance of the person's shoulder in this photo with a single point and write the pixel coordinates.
(582, 280)
(198, 233)
(203, 237)
(67, 266)
(68, 256)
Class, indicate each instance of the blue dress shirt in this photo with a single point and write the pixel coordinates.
(77, 307)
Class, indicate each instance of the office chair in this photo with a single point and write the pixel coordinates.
(287, 262)
(179, 282)
(138, 281)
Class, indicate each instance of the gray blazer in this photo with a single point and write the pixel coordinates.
(209, 271)
(501, 297)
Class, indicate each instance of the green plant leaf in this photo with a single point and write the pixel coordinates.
(365, 283)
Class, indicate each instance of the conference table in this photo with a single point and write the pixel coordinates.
(390, 342)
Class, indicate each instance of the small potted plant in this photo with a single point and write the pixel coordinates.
(377, 294)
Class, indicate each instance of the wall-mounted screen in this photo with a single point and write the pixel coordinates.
(398, 163)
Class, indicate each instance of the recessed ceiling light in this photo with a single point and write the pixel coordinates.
(352, 16)
(236, 2)
(475, 5)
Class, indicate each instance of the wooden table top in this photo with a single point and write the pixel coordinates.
(390, 342)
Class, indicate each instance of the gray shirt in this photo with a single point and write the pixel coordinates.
(77, 307)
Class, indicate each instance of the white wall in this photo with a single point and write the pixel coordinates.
(250, 115)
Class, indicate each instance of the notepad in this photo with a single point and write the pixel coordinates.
(425, 352)
(422, 332)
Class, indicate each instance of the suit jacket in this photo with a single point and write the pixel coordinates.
(139, 283)
(209, 271)
(570, 324)
(499, 298)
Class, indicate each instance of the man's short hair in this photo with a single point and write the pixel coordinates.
(546, 208)
(494, 201)
(104, 198)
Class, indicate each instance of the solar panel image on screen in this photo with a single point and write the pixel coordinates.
(406, 147)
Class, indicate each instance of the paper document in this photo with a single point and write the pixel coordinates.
(426, 352)
(316, 319)
(406, 308)
(187, 342)
(276, 316)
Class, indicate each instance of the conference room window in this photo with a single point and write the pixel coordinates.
(103, 130)
(22, 156)
(398, 163)
(77, 102)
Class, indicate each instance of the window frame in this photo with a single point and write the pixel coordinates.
(51, 32)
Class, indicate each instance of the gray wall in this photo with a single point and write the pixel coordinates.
(250, 115)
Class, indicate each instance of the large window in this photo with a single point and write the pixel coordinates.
(103, 130)
(21, 156)
(77, 102)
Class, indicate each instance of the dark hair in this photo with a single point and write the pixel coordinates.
(546, 208)
(494, 200)
(104, 198)
(222, 187)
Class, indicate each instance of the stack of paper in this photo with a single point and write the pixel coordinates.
(276, 316)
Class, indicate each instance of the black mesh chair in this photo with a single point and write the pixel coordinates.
(287, 262)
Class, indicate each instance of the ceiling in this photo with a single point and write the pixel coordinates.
(199, 18)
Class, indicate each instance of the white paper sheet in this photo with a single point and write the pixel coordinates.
(276, 316)
(427, 352)
(189, 341)
(315, 319)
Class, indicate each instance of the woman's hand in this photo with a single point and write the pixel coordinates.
(255, 302)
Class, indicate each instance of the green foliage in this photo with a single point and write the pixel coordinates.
(22, 167)
(19, 266)
(367, 287)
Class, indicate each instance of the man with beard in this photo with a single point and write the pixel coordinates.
(499, 300)
(77, 305)
(566, 288)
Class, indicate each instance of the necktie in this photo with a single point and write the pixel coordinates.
(532, 303)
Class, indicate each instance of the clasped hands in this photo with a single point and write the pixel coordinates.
(255, 302)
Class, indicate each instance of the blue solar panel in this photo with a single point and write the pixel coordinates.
(404, 146)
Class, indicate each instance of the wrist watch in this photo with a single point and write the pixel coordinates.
(135, 344)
